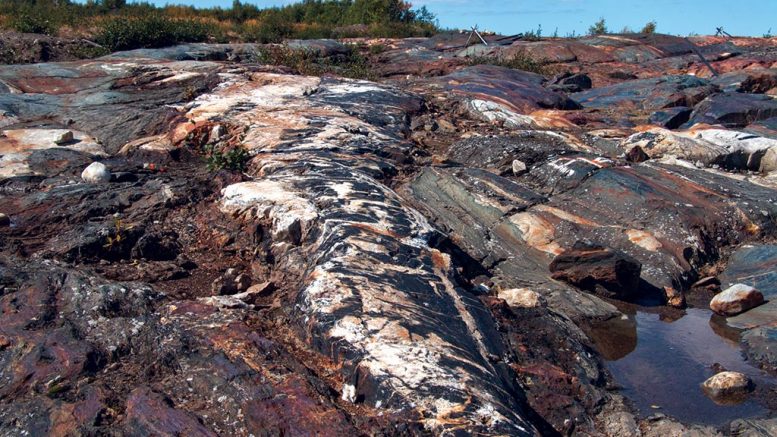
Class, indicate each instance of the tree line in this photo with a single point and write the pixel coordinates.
(119, 24)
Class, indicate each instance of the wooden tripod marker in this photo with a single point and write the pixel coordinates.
(475, 32)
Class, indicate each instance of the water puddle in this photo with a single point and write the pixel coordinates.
(659, 359)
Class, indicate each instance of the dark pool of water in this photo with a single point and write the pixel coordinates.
(660, 360)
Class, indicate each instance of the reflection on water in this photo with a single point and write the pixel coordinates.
(660, 360)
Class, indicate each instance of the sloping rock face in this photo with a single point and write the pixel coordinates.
(372, 288)
(734, 109)
(648, 94)
(116, 101)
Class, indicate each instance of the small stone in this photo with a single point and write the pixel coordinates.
(242, 282)
(65, 138)
(96, 173)
(520, 297)
(216, 133)
(231, 282)
(727, 385)
(736, 299)
(4, 342)
(445, 125)
(768, 161)
(637, 155)
(254, 292)
(262, 289)
(4, 220)
(674, 298)
(519, 167)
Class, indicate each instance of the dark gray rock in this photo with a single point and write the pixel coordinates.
(756, 81)
(734, 109)
(647, 94)
(671, 118)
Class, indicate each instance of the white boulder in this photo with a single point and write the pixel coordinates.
(736, 299)
(96, 173)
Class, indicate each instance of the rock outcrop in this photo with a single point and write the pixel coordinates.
(192, 243)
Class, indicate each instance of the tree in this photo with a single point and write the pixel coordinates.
(113, 4)
(598, 28)
(425, 15)
(650, 27)
(379, 11)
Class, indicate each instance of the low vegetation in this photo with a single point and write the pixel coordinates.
(520, 60)
(352, 64)
(650, 27)
(218, 158)
(119, 25)
(151, 31)
(598, 28)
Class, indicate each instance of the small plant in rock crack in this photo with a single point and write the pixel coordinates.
(235, 158)
(118, 235)
(189, 93)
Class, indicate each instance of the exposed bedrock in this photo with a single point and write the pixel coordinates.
(114, 100)
(373, 295)
(671, 219)
(191, 243)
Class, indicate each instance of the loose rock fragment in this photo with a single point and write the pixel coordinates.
(674, 298)
(519, 167)
(96, 173)
(66, 137)
(520, 297)
(4, 220)
(736, 299)
(727, 386)
(231, 282)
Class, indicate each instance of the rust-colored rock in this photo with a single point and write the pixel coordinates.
(598, 269)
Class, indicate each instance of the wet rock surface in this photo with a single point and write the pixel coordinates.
(456, 252)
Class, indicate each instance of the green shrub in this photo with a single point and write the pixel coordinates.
(235, 159)
(308, 62)
(123, 25)
(33, 21)
(650, 27)
(267, 32)
(151, 31)
(598, 28)
(377, 49)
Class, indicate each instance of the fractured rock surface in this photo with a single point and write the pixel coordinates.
(417, 255)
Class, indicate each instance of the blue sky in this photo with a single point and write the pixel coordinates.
(738, 17)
